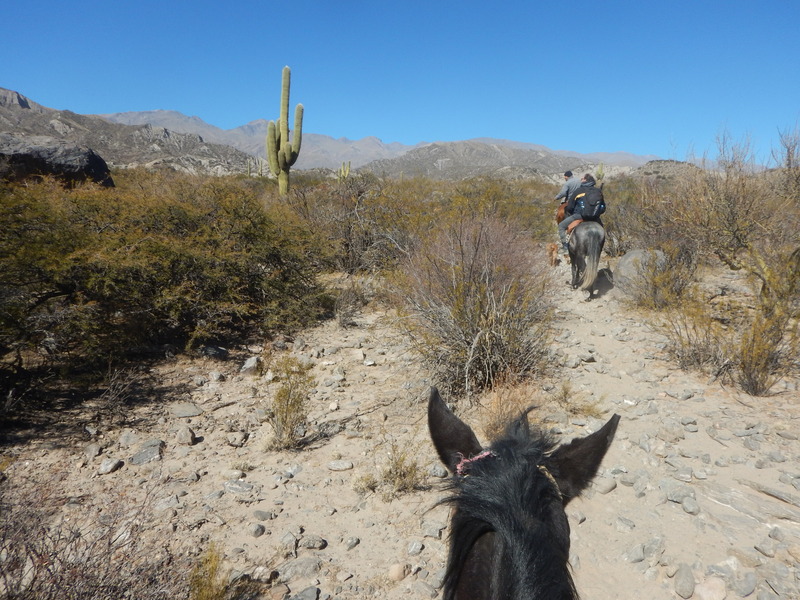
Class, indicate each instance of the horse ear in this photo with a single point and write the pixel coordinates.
(577, 462)
(452, 437)
(519, 427)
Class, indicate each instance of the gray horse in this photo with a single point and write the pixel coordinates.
(585, 245)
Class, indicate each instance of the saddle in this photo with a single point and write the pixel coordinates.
(573, 225)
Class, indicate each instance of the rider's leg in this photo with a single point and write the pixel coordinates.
(562, 230)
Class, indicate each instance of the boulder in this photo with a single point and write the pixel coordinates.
(633, 266)
(23, 157)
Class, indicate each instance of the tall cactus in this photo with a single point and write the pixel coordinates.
(281, 152)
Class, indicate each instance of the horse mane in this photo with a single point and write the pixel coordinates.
(510, 493)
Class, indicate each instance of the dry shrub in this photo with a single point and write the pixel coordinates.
(476, 299)
(209, 578)
(401, 474)
(574, 403)
(89, 553)
(764, 350)
(289, 411)
(695, 340)
(757, 348)
(662, 280)
(351, 298)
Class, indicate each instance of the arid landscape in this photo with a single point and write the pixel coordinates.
(698, 497)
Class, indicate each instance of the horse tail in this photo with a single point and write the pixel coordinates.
(594, 246)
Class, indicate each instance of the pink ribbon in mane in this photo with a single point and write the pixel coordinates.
(465, 462)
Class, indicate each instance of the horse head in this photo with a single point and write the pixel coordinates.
(509, 536)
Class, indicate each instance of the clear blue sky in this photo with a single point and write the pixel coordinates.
(662, 78)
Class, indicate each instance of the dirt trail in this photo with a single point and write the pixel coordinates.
(699, 487)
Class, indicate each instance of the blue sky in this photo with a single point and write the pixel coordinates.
(663, 78)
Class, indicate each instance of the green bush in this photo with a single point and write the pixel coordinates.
(88, 274)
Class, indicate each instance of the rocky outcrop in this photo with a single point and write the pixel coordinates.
(23, 157)
(121, 146)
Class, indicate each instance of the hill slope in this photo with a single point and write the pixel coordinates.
(121, 146)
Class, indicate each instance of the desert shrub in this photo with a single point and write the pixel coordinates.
(399, 474)
(503, 404)
(764, 352)
(476, 303)
(622, 219)
(663, 279)
(209, 579)
(695, 340)
(574, 403)
(98, 555)
(89, 274)
(289, 411)
(365, 223)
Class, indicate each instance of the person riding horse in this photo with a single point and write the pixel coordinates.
(570, 214)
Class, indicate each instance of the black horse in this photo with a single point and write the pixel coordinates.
(509, 534)
(585, 245)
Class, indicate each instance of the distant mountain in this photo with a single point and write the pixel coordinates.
(317, 151)
(171, 139)
(453, 159)
(461, 160)
(121, 146)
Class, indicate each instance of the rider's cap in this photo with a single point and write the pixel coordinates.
(568, 174)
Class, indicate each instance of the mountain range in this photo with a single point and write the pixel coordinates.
(171, 139)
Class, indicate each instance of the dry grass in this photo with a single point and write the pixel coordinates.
(506, 402)
(398, 474)
(209, 578)
(503, 404)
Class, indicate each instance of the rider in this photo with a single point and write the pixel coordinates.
(570, 185)
(586, 181)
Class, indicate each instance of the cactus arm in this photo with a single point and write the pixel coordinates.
(297, 137)
(272, 148)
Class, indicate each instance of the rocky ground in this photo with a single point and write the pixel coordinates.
(698, 497)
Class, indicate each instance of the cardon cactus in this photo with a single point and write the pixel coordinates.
(281, 151)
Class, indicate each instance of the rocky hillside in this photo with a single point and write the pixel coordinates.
(461, 160)
(121, 146)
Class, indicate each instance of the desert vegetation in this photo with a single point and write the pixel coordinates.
(727, 216)
(94, 280)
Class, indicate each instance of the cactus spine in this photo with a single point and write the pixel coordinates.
(281, 152)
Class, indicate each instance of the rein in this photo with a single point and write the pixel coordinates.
(543, 470)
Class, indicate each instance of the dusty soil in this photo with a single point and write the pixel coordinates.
(699, 493)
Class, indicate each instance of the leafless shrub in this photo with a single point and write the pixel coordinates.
(663, 279)
(764, 352)
(476, 302)
(51, 552)
(695, 339)
(350, 299)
